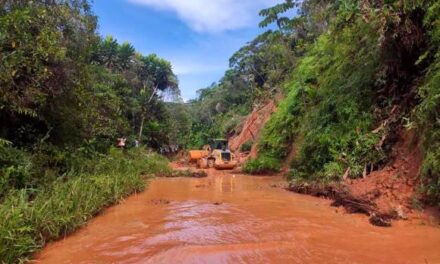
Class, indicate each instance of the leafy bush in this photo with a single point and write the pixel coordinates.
(431, 174)
(262, 165)
(15, 169)
(280, 130)
(247, 146)
(30, 220)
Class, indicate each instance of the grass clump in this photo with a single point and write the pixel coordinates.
(33, 217)
(186, 174)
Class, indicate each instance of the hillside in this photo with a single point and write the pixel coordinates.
(356, 78)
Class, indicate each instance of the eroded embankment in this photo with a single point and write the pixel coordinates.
(231, 218)
(385, 194)
(251, 128)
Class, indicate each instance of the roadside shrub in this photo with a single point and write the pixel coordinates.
(16, 169)
(262, 165)
(185, 174)
(431, 175)
(17, 234)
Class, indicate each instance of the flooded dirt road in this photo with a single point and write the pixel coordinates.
(227, 218)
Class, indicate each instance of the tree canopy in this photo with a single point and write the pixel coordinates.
(64, 83)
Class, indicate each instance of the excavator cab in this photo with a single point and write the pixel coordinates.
(219, 144)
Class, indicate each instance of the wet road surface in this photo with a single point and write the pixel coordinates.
(228, 218)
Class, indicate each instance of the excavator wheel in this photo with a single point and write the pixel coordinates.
(202, 164)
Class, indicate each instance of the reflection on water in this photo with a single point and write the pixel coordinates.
(224, 184)
(229, 218)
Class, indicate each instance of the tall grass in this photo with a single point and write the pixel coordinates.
(31, 218)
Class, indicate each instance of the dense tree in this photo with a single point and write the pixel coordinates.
(156, 76)
(274, 14)
(65, 89)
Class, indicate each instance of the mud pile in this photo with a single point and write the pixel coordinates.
(393, 188)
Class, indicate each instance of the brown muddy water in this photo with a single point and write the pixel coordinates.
(228, 218)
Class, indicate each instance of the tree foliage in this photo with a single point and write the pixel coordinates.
(66, 95)
(427, 113)
(64, 88)
(59, 78)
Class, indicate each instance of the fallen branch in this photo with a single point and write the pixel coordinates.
(343, 198)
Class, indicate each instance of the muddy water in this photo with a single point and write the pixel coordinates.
(229, 218)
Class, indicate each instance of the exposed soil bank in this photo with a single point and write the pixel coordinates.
(227, 218)
(251, 129)
(385, 194)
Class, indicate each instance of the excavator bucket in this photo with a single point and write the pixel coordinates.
(225, 166)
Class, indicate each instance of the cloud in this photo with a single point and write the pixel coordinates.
(212, 16)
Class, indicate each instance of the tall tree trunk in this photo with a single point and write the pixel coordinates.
(143, 114)
(141, 128)
(133, 121)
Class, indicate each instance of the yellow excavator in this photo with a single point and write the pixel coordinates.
(216, 154)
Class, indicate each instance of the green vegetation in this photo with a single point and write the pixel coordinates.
(257, 72)
(262, 165)
(218, 110)
(247, 146)
(185, 174)
(66, 95)
(428, 111)
(61, 84)
(33, 217)
(336, 118)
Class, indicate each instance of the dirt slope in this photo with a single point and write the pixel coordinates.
(252, 127)
(393, 188)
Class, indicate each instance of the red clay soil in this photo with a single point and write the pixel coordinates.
(177, 165)
(383, 195)
(252, 128)
(393, 188)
